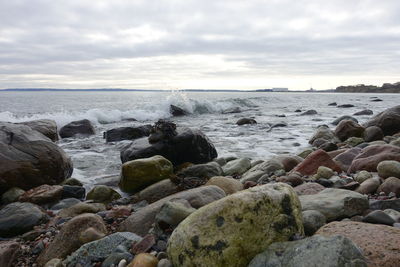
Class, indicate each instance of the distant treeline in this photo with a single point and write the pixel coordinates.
(362, 88)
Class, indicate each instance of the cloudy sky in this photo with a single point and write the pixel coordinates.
(198, 44)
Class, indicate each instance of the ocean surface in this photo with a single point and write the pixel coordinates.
(95, 160)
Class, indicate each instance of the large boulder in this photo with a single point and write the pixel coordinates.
(127, 133)
(379, 243)
(141, 221)
(46, 127)
(312, 162)
(77, 128)
(373, 133)
(231, 231)
(29, 159)
(68, 239)
(335, 203)
(17, 218)
(323, 132)
(371, 156)
(347, 129)
(138, 174)
(188, 145)
(337, 251)
(388, 121)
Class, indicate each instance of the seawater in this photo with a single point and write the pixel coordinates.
(94, 159)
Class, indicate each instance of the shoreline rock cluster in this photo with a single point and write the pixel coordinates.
(336, 202)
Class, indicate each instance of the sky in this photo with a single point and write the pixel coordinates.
(208, 44)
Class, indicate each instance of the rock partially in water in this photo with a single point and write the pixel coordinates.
(177, 111)
(46, 127)
(309, 112)
(364, 112)
(348, 128)
(388, 121)
(231, 231)
(345, 117)
(336, 251)
(127, 133)
(77, 128)
(244, 121)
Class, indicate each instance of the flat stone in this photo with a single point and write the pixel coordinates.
(379, 217)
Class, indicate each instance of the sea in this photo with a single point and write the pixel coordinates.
(95, 161)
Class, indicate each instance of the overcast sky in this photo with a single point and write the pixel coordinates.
(198, 44)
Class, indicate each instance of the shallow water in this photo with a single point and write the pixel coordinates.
(94, 159)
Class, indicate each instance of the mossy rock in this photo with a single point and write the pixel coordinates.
(103, 194)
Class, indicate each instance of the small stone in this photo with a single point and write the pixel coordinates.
(72, 182)
(362, 176)
(102, 194)
(116, 258)
(144, 260)
(54, 263)
(325, 172)
(379, 217)
(312, 221)
(164, 263)
(70, 191)
(90, 235)
(389, 168)
(161, 245)
(144, 245)
(390, 185)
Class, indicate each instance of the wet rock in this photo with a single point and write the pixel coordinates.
(325, 182)
(379, 243)
(362, 176)
(332, 104)
(70, 191)
(389, 168)
(346, 106)
(348, 128)
(308, 189)
(207, 170)
(75, 128)
(244, 121)
(335, 203)
(310, 165)
(364, 112)
(103, 194)
(391, 184)
(12, 195)
(18, 218)
(102, 248)
(369, 186)
(309, 112)
(141, 221)
(138, 174)
(236, 167)
(72, 182)
(373, 133)
(68, 239)
(228, 184)
(385, 204)
(342, 118)
(232, 110)
(312, 221)
(371, 156)
(80, 208)
(388, 121)
(8, 252)
(29, 159)
(354, 141)
(42, 194)
(312, 251)
(127, 133)
(144, 260)
(210, 236)
(394, 214)
(65, 203)
(379, 217)
(188, 145)
(173, 212)
(345, 159)
(177, 111)
(46, 127)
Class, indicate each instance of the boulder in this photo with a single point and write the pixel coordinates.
(103, 194)
(177, 111)
(206, 171)
(80, 208)
(336, 251)
(378, 217)
(345, 159)
(244, 121)
(312, 162)
(373, 133)
(29, 159)
(69, 191)
(348, 128)
(127, 133)
(65, 203)
(77, 128)
(364, 112)
(390, 185)
(231, 231)
(265, 168)
(369, 186)
(42, 194)
(388, 121)
(89, 235)
(308, 189)
(157, 191)
(389, 168)
(371, 156)
(102, 248)
(379, 243)
(173, 212)
(46, 127)
(342, 118)
(67, 240)
(335, 203)
(12, 195)
(312, 221)
(323, 133)
(354, 141)
(228, 184)
(289, 162)
(346, 106)
(188, 145)
(8, 252)
(18, 218)
(385, 204)
(237, 166)
(138, 174)
(362, 176)
(141, 221)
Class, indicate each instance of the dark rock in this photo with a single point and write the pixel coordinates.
(312, 221)
(393, 204)
(8, 252)
(65, 203)
(373, 133)
(46, 127)
(332, 104)
(82, 128)
(376, 100)
(232, 110)
(127, 133)
(115, 258)
(348, 128)
(244, 121)
(328, 146)
(309, 112)
(188, 145)
(297, 110)
(388, 121)
(378, 217)
(29, 159)
(342, 118)
(345, 106)
(325, 182)
(177, 111)
(202, 170)
(364, 112)
(70, 191)
(18, 218)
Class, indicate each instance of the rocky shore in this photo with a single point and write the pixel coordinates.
(178, 204)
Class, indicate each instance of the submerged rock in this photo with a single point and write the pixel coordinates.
(177, 111)
(244, 121)
(231, 231)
